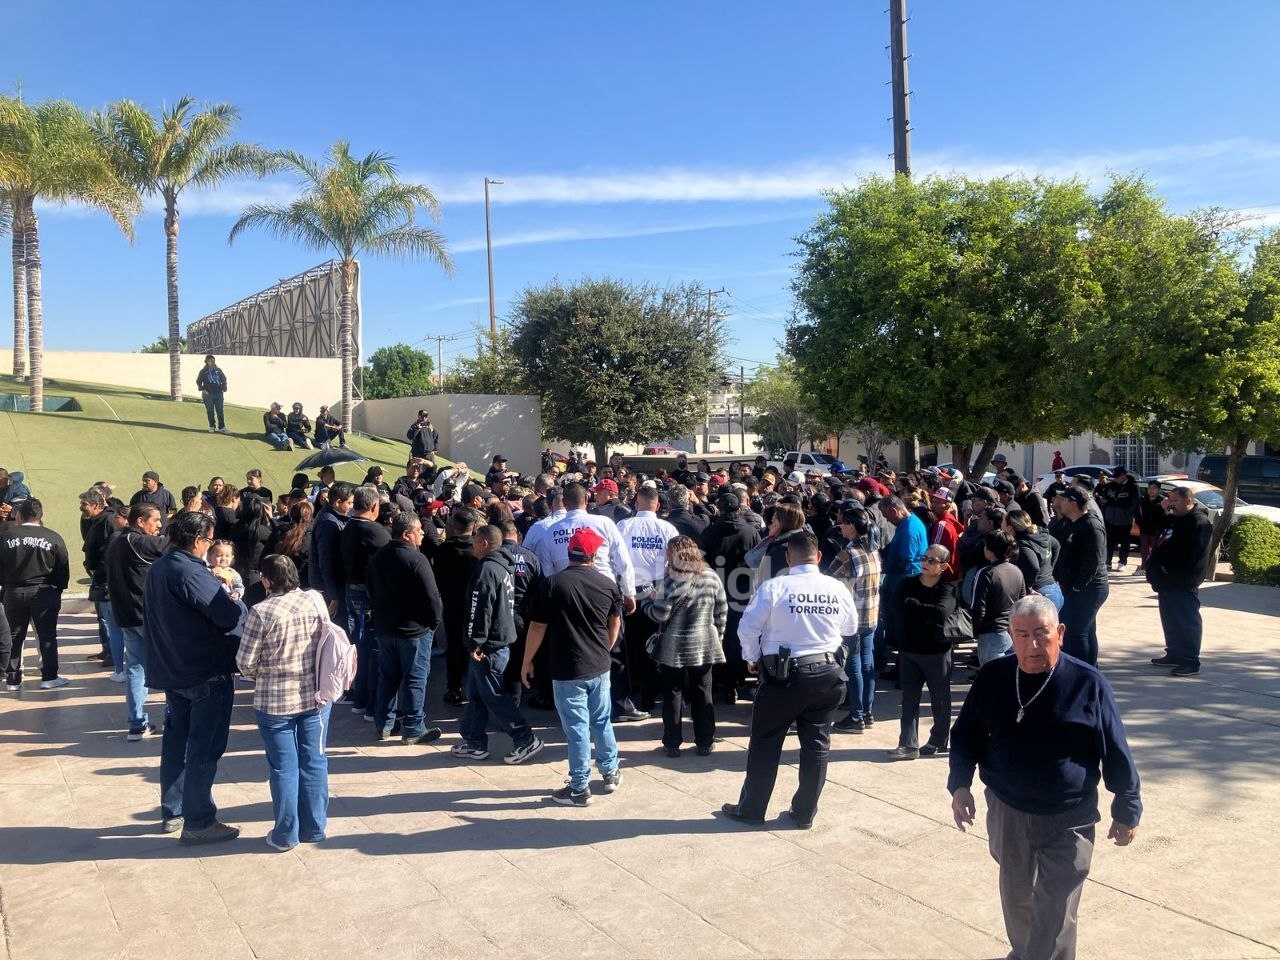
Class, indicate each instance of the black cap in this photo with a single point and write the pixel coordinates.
(1120, 471)
(471, 491)
(728, 502)
(1075, 495)
(702, 477)
(499, 458)
(1004, 486)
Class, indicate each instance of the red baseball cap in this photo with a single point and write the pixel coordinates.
(584, 544)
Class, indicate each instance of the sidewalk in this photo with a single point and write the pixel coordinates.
(430, 857)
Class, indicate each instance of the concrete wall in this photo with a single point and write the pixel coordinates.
(254, 381)
(472, 427)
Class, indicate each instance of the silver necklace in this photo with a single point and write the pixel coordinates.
(1017, 692)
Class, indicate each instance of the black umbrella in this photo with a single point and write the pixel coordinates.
(329, 456)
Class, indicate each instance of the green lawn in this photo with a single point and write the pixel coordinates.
(120, 433)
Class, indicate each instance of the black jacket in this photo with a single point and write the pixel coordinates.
(687, 522)
(1180, 559)
(527, 572)
(403, 592)
(1083, 560)
(97, 538)
(726, 542)
(1151, 516)
(327, 574)
(924, 610)
(192, 624)
(1118, 500)
(491, 595)
(129, 557)
(994, 592)
(1037, 555)
(454, 560)
(361, 539)
(32, 555)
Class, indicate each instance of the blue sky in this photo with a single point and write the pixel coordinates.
(661, 142)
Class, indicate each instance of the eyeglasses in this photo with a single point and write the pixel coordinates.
(932, 560)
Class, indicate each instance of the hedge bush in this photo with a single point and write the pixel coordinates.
(1254, 551)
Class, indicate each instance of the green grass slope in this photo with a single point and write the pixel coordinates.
(119, 433)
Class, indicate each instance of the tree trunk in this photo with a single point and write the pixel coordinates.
(960, 454)
(345, 306)
(35, 309)
(171, 268)
(983, 459)
(601, 448)
(1229, 487)
(19, 295)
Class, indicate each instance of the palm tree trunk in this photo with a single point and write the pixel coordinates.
(171, 268)
(35, 309)
(19, 295)
(346, 305)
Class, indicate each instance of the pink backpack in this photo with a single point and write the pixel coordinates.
(335, 656)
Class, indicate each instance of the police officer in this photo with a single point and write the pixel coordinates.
(790, 633)
(645, 536)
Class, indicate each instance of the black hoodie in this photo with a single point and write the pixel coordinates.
(1037, 555)
(491, 596)
(129, 557)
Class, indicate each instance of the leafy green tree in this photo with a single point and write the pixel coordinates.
(948, 308)
(495, 368)
(184, 146)
(161, 345)
(351, 206)
(49, 151)
(1191, 350)
(397, 371)
(616, 362)
(783, 420)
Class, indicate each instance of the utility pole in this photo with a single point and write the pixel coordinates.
(488, 243)
(440, 342)
(910, 451)
(706, 420)
(742, 408)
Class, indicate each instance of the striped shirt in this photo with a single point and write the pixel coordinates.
(278, 651)
(691, 613)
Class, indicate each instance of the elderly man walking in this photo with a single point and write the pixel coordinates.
(1042, 728)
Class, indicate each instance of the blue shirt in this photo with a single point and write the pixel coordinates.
(902, 556)
(1070, 738)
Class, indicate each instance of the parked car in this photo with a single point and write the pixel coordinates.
(1210, 497)
(804, 461)
(1094, 470)
(951, 467)
(1259, 480)
(656, 449)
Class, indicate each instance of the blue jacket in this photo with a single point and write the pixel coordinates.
(192, 624)
(902, 555)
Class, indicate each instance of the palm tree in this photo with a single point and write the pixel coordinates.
(351, 206)
(183, 147)
(51, 151)
(19, 287)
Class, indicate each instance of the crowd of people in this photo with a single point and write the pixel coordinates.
(605, 594)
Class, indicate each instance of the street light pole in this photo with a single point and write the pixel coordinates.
(488, 243)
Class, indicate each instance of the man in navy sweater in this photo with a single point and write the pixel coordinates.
(1042, 728)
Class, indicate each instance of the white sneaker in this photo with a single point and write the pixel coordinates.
(54, 683)
(118, 678)
(223, 430)
(213, 429)
(13, 687)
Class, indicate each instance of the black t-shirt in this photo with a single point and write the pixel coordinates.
(262, 493)
(576, 605)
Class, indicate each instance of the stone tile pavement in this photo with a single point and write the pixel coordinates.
(429, 857)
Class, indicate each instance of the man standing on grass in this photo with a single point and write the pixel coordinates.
(579, 613)
(191, 626)
(1042, 728)
(153, 491)
(34, 570)
(212, 384)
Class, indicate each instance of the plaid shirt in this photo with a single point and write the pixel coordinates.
(278, 651)
(861, 574)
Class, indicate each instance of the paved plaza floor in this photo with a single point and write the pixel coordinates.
(431, 857)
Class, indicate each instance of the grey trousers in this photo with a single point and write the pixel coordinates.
(1044, 861)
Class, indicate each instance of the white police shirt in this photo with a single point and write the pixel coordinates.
(803, 609)
(612, 559)
(538, 531)
(646, 536)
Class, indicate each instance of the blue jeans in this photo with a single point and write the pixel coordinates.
(196, 722)
(277, 440)
(1054, 593)
(364, 687)
(115, 636)
(1080, 615)
(212, 406)
(299, 774)
(1182, 624)
(135, 674)
(860, 669)
(993, 645)
(584, 707)
(486, 694)
(404, 665)
(299, 439)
